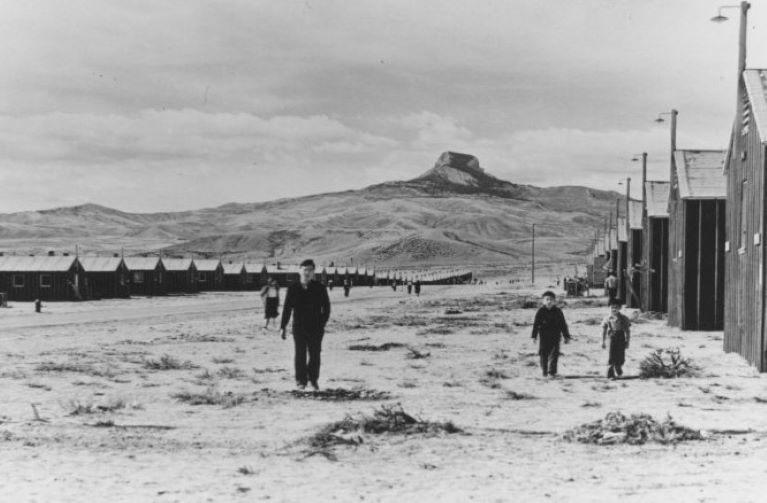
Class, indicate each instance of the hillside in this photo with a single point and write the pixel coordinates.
(454, 213)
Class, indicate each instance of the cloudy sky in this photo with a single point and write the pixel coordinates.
(152, 106)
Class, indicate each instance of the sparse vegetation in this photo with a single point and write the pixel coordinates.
(667, 363)
(342, 395)
(74, 367)
(636, 429)
(167, 362)
(436, 330)
(372, 347)
(388, 419)
(414, 354)
(514, 395)
(210, 397)
(230, 373)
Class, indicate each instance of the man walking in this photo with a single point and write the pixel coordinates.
(309, 299)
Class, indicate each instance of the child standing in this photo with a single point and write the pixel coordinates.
(550, 324)
(618, 327)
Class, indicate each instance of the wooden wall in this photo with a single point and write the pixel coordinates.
(744, 265)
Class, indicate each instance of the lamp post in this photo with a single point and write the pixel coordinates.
(673, 113)
(719, 18)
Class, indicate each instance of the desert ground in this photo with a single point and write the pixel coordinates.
(102, 402)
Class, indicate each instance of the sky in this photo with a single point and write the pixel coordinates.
(153, 106)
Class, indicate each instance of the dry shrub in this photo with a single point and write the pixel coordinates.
(667, 363)
(342, 395)
(230, 372)
(167, 362)
(514, 395)
(222, 360)
(414, 354)
(372, 347)
(200, 338)
(78, 408)
(591, 321)
(74, 367)
(636, 429)
(210, 397)
(438, 330)
(388, 419)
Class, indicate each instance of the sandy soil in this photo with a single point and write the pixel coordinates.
(146, 445)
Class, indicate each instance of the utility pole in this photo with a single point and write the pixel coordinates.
(672, 174)
(628, 206)
(533, 269)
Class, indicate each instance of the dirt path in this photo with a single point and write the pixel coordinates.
(115, 429)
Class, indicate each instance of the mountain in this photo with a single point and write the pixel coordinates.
(454, 213)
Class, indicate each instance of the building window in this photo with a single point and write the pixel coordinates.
(743, 216)
(46, 281)
(138, 276)
(18, 281)
(249, 278)
(202, 278)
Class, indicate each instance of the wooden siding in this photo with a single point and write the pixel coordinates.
(152, 282)
(621, 270)
(106, 285)
(634, 259)
(59, 286)
(744, 265)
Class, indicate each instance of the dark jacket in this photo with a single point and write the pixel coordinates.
(310, 308)
(550, 323)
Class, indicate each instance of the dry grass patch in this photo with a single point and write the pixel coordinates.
(372, 347)
(387, 420)
(636, 429)
(210, 396)
(437, 330)
(414, 354)
(79, 408)
(342, 395)
(667, 363)
(514, 395)
(230, 373)
(80, 368)
(167, 362)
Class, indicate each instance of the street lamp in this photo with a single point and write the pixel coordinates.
(744, 6)
(720, 18)
(673, 113)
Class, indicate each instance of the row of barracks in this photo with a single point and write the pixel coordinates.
(65, 277)
(702, 258)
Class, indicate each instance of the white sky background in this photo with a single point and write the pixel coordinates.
(183, 104)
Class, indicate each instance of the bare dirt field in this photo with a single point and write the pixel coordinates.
(189, 399)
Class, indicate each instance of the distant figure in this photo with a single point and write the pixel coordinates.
(38, 305)
(618, 327)
(347, 287)
(550, 324)
(308, 301)
(417, 286)
(409, 287)
(270, 295)
(330, 284)
(394, 285)
(611, 287)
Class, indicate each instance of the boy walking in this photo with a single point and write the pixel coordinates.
(550, 324)
(618, 327)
